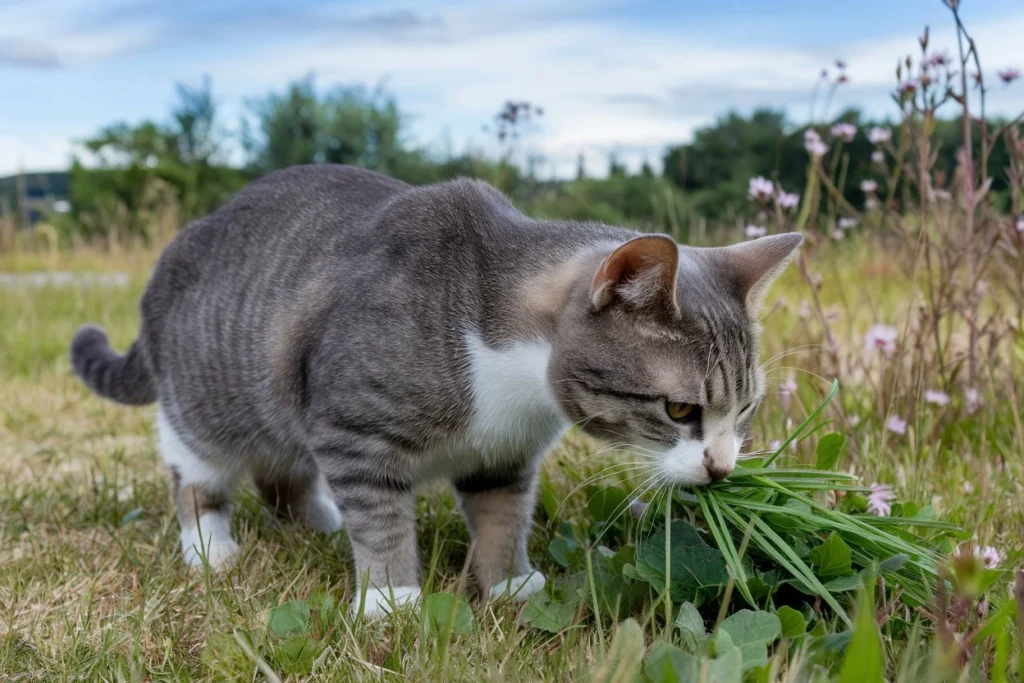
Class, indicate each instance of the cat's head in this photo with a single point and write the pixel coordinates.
(658, 345)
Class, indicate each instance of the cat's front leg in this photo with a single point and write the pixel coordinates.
(380, 517)
(499, 506)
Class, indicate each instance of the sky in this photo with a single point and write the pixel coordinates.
(613, 77)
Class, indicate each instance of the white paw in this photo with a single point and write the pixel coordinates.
(519, 588)
(209, 542)
(381, 602)
(324, 515)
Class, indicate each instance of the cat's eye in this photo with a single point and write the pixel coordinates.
(682, 412)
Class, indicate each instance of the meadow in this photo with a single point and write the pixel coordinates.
(874, 531)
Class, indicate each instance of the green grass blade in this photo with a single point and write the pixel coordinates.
(803, 425)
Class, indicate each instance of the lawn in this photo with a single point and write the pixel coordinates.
(92, 586)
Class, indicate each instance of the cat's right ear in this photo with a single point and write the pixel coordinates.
(640, 273)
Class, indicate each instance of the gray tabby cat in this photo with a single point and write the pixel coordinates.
(341, 338)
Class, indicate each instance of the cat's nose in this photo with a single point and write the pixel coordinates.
(714, 470)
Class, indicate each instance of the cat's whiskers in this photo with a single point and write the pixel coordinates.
(789, 352)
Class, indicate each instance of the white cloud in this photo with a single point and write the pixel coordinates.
(18, 154)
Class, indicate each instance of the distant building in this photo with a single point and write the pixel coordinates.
(28, 198)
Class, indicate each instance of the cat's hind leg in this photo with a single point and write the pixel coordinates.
(300, 493)
(203, 488)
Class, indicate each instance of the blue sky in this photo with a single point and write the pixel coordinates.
(613, 76)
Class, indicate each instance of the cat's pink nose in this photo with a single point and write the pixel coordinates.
(716, 472)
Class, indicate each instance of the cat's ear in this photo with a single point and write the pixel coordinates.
(754, 265)
(641, 273)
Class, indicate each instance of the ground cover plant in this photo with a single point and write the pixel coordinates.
(873, 532)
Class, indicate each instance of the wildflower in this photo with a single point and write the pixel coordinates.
(753, 231)
(1008, 75)
(637, 508)
(868, 186)
(907, 88)
(939, 193)
(1020, 224)
(990, 556)
(760, 188)
(844, 131)
(813, 143)
(775, 445)
(983, 607)
(936, 397)
(843, 79)
(840, 64)
(938, 58)
(880, 500)
(786, 391)
(878, 135)
(973, 398)
(805, 310)
(838, 234)
(846, 223)
(896, 425)
(881, 338)
(787, 200)
(870, 203)
(878, 156)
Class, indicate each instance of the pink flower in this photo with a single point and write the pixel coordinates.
(983, 607)
(805, 310)
(1008, 75)
(775, 445)
(907, 88)
(881, 338)
(990, 556)
(877, 135)
(896, 425)
(870, 203)
(753, 231)
(838, 234)
(868, 186)
(843, 79)
(787, 200)
(937, 58)
(786, 391)
(880, 500)
(878, 156)
(637, 508)
(1020, 224)
(844, 131)
(936, 397)
(760, 188)
(973, 399)
(846, 223)
(813, 143)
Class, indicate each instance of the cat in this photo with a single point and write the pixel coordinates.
(340, 337)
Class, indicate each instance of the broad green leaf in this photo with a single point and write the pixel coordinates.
(608, 504)
(727, 666)
(830, 447)
(863, 661)
(547, 494)
(296, 655)
(698, 571)
(691, 624)
(290, 619)
(894, 563)
(564, 550)
(844, 584)
(752, 632)
(793, 622)
(550, 614)
(669, 664)
(831, 558)
(447, 611)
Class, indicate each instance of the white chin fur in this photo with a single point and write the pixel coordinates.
(209, 542)
(519, 588)
(684, 464)
(381, 602)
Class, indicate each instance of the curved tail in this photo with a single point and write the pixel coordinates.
(125, 379)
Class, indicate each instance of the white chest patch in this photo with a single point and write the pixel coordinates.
(515, 416)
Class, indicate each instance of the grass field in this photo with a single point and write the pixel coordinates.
(92, 586)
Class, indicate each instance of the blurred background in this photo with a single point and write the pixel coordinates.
(121, 118)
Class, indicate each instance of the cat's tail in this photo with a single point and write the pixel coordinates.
(125, 379)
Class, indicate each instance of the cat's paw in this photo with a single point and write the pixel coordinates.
(381, 602)
(214, 546)
(519, 588)
(323, 514)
